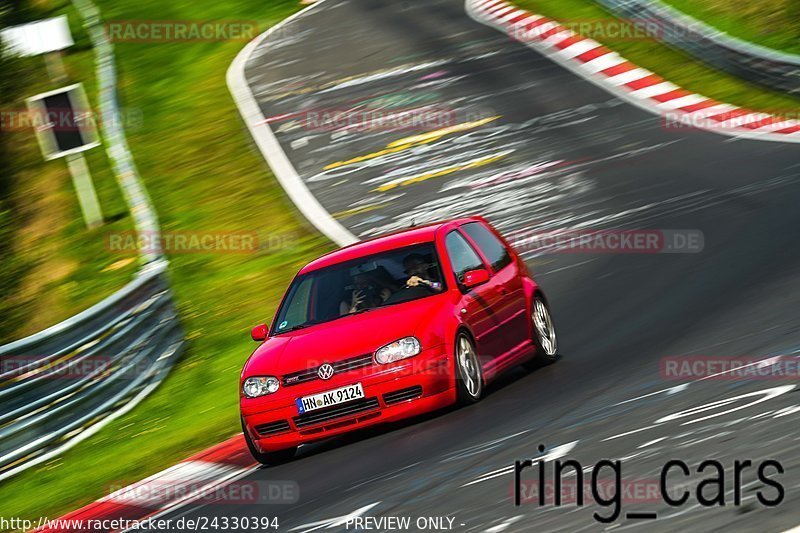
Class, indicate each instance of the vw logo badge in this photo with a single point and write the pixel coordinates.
(325, 371)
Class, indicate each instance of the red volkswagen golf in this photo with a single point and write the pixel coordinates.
(390, 328)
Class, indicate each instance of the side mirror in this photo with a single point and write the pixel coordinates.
(474, 278)
(259, 333)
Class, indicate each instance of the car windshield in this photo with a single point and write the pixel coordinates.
(357, 286)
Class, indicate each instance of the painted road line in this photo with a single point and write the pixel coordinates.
(271, 149)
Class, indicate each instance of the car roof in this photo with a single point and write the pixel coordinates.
(384, 243)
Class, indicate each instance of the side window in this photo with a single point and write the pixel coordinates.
(462, 256)
(492, 247)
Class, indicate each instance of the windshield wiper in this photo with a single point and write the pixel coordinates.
(305, 325)
(346, 315)
(299, 326)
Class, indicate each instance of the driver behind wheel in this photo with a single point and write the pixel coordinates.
(366, 294)
(419, 271)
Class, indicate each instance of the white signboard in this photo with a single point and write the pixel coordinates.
(37, 38)
(63, 121)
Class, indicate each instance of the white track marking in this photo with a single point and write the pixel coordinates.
(505, 524)
(528, 21)
(502, 11)
(786, 411)
(271, 149)
(577, 49)
(555, 453)
(765, 394)
(778, 125)
(714, 110)
(369, 78)
(514, 14)
(651, 442)
(683, 101)
(654, 90)
(557, 37)
(331, 523)
(603, 62)
(629, 76)
(628, 433)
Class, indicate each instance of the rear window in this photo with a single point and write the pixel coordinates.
(492, 247)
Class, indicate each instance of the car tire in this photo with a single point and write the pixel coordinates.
(469, 374)
(544, 335)
(270, 458)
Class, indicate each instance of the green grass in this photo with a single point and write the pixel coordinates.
(771, 23)
(203, 173)
(669, 63)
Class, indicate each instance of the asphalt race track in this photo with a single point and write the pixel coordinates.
(539, 147)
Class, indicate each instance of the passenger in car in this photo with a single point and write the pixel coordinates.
(421, 272)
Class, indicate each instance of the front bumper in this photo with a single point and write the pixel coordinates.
(407, 388)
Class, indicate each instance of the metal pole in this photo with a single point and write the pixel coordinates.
(78, 169)
(55, 66)
(87, 197)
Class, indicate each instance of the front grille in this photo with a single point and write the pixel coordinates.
(273, 427)
(335, 412)
(339, 366)
(402, 395)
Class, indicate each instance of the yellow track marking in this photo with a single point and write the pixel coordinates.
(409, 142)
(424, 138)
(357, 210)
(475, 163)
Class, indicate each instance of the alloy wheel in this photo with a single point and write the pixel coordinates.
(468, 365)
(545, 331)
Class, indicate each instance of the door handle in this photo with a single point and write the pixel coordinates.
(503, 290)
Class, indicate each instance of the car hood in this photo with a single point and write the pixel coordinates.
(343, 338)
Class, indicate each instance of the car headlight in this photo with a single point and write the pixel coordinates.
(397, 350)
(260, 386)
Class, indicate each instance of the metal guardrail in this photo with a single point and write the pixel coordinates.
(62, 382)
(749, 61)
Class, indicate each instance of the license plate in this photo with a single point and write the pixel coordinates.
(328, 398)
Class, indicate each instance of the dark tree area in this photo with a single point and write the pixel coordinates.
(11, 267)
